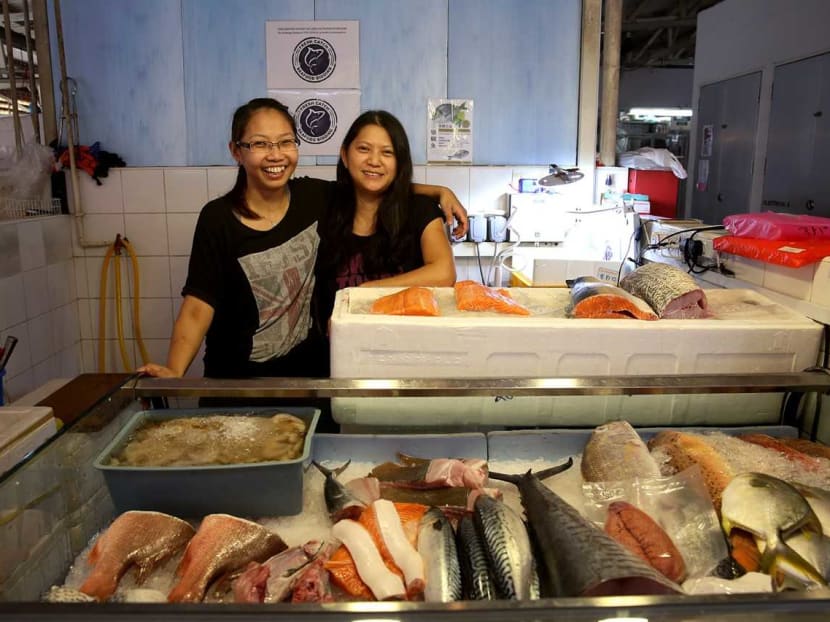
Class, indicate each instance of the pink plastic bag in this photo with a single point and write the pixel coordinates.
(778, 226)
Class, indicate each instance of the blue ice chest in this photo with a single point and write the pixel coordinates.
(253, 489)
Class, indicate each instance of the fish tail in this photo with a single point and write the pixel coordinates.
(554, 470)
(505, 477)
(780, 557)
(541, 475)
(332, 472)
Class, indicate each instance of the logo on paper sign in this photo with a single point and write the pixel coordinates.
(313, 59)
(316, 121)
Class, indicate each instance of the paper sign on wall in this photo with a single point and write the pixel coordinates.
(322, 117)
(309, 55)
(450, 131)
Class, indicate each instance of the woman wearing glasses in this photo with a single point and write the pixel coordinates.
(251, 273)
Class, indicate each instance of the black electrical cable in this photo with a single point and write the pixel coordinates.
(663, 242)
(480, 268)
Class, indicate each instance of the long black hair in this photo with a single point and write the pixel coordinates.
(391, 245)
(239, 124)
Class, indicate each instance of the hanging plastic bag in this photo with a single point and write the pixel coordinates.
(651, 159)
(24, 175)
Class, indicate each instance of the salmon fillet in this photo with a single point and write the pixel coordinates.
(592, 298)
(409, 301)
(341, 566)
(472, 296)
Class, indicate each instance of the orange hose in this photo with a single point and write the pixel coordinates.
(119, 317)
(102, 312)
(145, 358)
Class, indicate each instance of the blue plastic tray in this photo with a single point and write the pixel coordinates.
(255, 489)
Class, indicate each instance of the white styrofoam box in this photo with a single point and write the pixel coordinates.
(820, 293)
(747, 270)
(795, 282)
(748, 334)
(554, 272)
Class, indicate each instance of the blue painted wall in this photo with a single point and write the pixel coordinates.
(158, 80)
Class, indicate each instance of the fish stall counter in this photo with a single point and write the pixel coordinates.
(746, 333)
(56, 505)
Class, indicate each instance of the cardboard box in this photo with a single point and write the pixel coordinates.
(750, 334)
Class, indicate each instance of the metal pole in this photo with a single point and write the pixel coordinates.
(18, 129)
(33, 106)
(44, 71)
(612, 29)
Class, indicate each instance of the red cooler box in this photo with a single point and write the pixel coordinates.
(661, 188)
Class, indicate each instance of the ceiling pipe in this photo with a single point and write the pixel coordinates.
(612, 29)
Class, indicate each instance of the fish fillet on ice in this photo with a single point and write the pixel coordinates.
(409, 301)
(222, 544)
(473, 296)
(136, 538)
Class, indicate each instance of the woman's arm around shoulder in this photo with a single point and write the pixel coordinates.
(449, 204)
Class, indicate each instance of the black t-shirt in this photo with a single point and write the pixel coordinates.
(351, 273)
(260, 285)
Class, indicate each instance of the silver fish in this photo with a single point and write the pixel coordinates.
(508, 547)
(771, 509)
(575, 557)
(672, 293)
(476, 578)
(436, 545)
(340, 502)
(616, 452)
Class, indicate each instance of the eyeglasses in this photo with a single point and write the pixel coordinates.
(286, 145)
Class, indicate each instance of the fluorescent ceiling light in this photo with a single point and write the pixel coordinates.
(660, 112)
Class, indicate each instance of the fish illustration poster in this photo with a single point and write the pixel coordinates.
(450, 131)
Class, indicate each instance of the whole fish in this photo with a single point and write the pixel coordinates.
(671, 292)
(575, 557)
(222, 544)
(476, 578)
(685, 449)
(436, 545)
(810, 448)
(819, 500)
(616, 452)
(507, 545)
(143, 539)
(771, 509)
(340, 502)
(797, 457)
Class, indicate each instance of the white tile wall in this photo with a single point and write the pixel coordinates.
(143, 190)
(185, 189)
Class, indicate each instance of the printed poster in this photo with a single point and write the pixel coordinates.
(450, 131)
(322, 117)
(312, 55)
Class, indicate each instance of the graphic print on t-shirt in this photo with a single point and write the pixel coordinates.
(282, 280)
(352, 274)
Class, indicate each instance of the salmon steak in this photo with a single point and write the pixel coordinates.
(409, 301)
(592, 298)
(140, 539)
(222, 545)
(472, 296)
